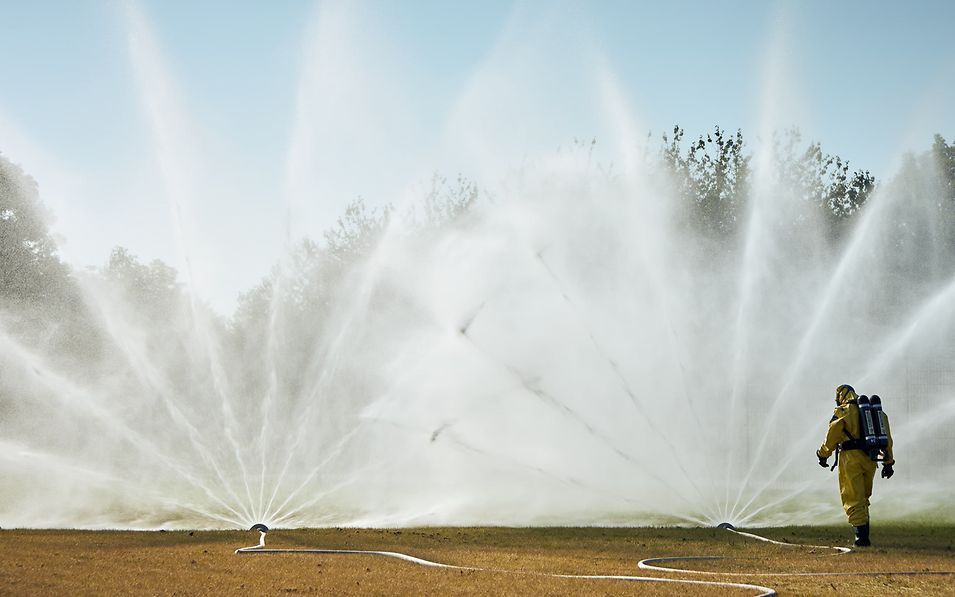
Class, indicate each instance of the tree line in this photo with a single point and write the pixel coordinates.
(45, 303)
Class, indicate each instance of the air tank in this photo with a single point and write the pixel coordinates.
(878, 421)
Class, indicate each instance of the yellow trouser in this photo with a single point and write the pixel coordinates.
(856, 472)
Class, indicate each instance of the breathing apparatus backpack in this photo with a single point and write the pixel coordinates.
(872, 424)
(873, 435)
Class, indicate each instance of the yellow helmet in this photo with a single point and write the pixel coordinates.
(845, 393)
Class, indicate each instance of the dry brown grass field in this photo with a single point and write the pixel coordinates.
(69, 562)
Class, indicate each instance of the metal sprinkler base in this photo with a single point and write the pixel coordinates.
(726, 525)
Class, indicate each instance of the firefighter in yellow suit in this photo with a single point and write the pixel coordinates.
(856, 467)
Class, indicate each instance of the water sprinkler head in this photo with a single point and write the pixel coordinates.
(259, 527)
(726, 525)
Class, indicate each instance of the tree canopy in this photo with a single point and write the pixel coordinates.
(290, 309)
(31, 272)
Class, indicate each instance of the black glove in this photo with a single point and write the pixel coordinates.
(887, 471)
(823, 461)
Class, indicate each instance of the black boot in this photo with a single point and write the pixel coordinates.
(862, 536)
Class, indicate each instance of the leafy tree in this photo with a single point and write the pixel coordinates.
(445, 204)
(286, 312)
(922, 238)
(38, 293)
(41, 304)
(31, 273)
(823, 181)
(290, 310)
(712, 177)
(304, 281)
(151, 288)
(944, 156)
(157, 336)
(357, 231)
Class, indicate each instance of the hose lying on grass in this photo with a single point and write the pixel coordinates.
(652, 563)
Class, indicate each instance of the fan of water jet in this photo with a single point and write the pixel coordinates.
(575, 333)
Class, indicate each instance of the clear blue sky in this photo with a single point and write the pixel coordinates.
(298, 106)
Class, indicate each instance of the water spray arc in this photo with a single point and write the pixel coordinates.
(589, 341)
(625, 385)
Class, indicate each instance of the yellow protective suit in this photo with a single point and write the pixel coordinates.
(856, 469)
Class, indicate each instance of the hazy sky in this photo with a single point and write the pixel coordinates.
(192, 129)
